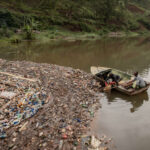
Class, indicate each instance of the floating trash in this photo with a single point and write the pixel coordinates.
(66, 96)
(20, 99)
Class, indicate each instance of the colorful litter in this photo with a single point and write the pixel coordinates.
(19, 99)
(68, 99)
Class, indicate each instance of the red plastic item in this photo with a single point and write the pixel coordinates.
(64, 136)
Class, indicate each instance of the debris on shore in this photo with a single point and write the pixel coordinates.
(45, 106)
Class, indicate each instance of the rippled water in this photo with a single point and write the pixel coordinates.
(125, 119)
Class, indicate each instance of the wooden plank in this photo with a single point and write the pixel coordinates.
(131, 92)
(18, 77)
(95, 70)
(141, 90)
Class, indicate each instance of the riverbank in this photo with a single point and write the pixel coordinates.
(60, 34)
(49, 35)
(71, 99)
(71, 20)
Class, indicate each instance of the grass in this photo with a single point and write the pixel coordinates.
(65, 35)
(60, 34)
(57, 24)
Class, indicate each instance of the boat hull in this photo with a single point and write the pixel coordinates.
(125, 78)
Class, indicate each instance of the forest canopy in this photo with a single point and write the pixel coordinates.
(80, 15)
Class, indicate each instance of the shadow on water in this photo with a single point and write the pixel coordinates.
(136, 101)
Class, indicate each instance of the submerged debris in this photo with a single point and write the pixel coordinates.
(51, 111)
(91, 142)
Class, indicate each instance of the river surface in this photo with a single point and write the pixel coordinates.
(125, 119)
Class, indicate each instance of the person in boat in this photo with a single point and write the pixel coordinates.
(113, 79)
(138, 82)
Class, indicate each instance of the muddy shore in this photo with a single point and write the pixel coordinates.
(72, 99)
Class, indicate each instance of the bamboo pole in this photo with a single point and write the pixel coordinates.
(18, 77)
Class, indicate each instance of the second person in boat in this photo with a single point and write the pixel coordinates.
(113, 78)
(138, 82)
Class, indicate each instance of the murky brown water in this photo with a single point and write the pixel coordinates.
(125, 119)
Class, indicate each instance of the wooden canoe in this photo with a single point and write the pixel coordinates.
(96, 71)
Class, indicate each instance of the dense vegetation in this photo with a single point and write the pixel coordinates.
(143, 3)
(76, 15)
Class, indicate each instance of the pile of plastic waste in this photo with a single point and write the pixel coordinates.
(68, 99)
(19, 100)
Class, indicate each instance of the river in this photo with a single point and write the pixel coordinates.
(124, 118)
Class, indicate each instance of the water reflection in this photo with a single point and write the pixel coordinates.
(143, 41)
(123, 54)
(136, 101)
(123, 117)
(126, 118)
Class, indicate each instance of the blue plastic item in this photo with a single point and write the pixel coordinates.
(3, 135)
(16, 122)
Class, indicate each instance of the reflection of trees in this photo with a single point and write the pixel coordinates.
(117, 53)
(143, 41)
(25, 51)
(136, 101)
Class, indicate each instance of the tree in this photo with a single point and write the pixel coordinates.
(107, 9)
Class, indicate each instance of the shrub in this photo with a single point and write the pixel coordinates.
(86, 27)
(145, 22)
(133, 25)
(5, 32)
(29, 26)
(9, 19)
(103, 31)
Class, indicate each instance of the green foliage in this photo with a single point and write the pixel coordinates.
(75, 15)
(87, 13)
(29, 26)
(143, 3)
(103, 31)
(133, 25)
(84, 12)
(108, 9)
(132, 22)
(10, 19)
(145, 22)
(6, 18)
(86, 27)
(49, 4)
(5, 32)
